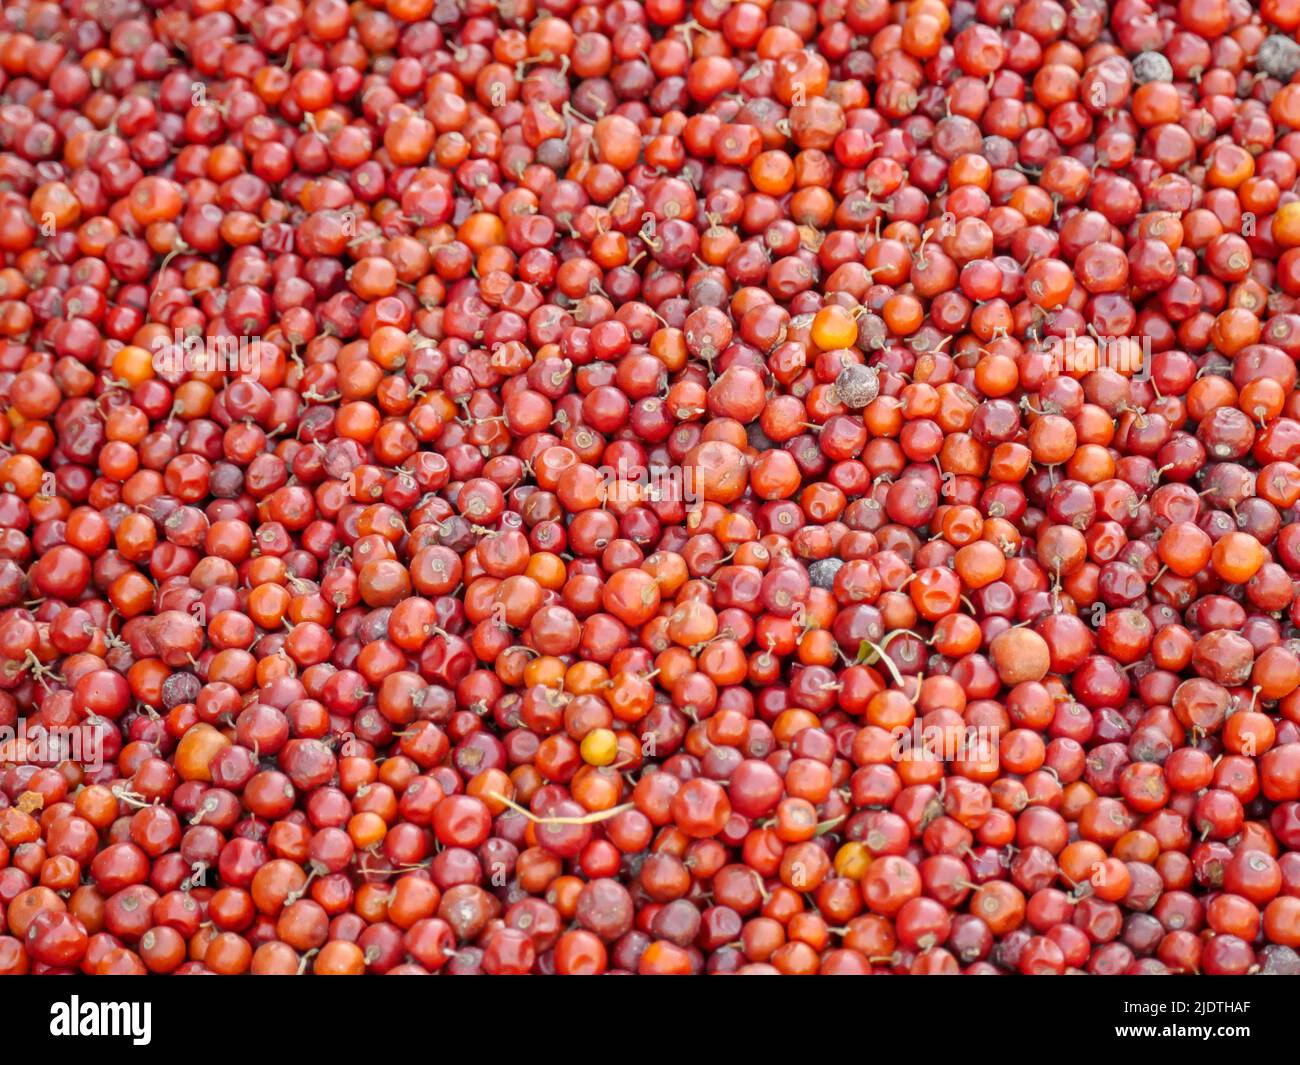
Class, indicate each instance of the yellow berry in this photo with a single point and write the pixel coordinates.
(833, 327)
(1286, 225)
(851, 860)
(132, 365)
(599, 747)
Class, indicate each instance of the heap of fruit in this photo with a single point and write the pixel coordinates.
(523, 486)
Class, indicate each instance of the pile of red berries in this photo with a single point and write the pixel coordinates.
(568, 487)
